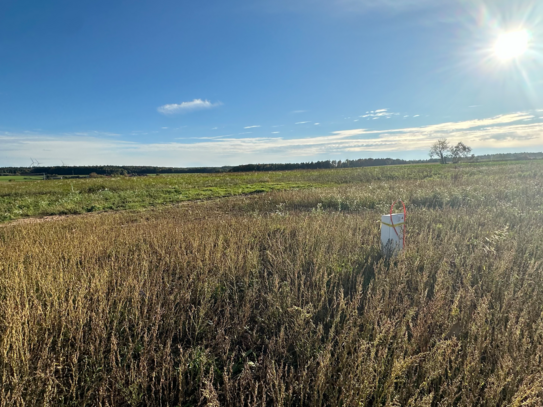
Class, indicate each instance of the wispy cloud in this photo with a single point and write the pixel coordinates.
(185, 107)
(204, 138)
(93, 133)
(506, 132)
(301, 123)
(299, 111)
(251, 127)
(378, 114)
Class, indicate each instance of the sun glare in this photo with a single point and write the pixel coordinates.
(512, 45)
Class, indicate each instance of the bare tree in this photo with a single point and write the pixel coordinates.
(440, 149)
(459, 151)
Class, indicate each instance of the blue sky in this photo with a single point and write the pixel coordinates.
(181, 83)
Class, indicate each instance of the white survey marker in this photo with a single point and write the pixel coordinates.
(391, 241)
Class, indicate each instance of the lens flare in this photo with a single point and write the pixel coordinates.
(512, 45)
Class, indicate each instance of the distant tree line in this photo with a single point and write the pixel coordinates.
(114, 170)
(361, 162)
(443, 150)
(458, 151)
(510, 157)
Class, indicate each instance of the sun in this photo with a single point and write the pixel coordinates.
(512, 45)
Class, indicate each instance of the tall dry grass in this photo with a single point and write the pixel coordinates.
(283, 299)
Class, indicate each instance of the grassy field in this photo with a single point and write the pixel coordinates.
(280, 298)
(76, 196)
(20, 178)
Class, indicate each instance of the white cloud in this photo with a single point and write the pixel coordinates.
(317, 124)
(202, 138)
(505, 132)
(301, 123)
(185, 107)
(417, 115)
(275, 132)
(88, 133)
(164, 128)
(299, 111)
(379, 114)
(251, 127)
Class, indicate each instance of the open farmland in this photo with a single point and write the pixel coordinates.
(20, 178)
(279, 298)
(77, 196)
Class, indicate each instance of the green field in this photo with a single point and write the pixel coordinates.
(276, 294)
(19, 178)
(76, 196)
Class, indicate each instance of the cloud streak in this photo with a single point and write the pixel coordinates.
(379, 114)
(509, 131)
(186, 107)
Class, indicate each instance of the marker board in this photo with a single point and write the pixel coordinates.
(392, 243)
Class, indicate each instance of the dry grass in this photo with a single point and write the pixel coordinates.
(283, 299)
